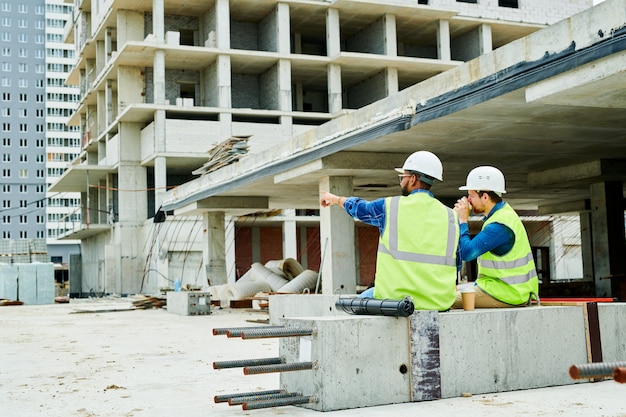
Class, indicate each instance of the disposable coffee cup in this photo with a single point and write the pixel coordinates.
(468, 295)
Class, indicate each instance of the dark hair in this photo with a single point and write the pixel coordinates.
(492, 195)
(425, 180)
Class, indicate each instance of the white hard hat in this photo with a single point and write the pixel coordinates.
(423, 162)
(485, 178)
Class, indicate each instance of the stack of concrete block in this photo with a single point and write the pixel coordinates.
(38, 251)
(20, 251)
(29, 283)
(5, 251)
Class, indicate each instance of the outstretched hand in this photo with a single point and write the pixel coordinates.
(328, 199)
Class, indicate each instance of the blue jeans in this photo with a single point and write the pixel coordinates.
(368, 293)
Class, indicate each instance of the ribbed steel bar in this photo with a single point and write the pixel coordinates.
(280, 332)
(371, 306)
(279, 402)
(594, 370)
(224, 398)
(284, 367)
(241, 400)
(224, 330)
(240, 363)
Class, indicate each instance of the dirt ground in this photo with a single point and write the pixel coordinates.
(55, 361)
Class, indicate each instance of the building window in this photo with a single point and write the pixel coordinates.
(508, 3)
(6, 157)
(467, 1)
(422, 1)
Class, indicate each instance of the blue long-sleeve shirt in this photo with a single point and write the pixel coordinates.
(495, 237)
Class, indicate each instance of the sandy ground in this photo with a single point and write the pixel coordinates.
(57, 362)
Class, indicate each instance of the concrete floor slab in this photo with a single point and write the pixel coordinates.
(55, 362)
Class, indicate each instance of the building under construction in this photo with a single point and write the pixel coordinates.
(244, 110)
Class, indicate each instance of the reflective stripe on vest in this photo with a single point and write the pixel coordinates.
(448, 259)
(510, 278)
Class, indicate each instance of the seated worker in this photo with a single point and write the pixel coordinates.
(417, 250)
(506, 269)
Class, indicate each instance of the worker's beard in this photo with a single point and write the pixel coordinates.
(405, 190)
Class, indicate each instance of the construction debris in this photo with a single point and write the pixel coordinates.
(146, 302)
(224, 153)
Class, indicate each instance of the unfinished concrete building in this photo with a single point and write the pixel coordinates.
(164, 82)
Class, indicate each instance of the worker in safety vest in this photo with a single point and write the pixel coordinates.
(417, 250)
(506, 270)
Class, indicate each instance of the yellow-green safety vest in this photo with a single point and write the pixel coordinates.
(510, 278)
(417, 252)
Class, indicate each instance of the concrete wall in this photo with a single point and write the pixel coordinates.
(370, 39)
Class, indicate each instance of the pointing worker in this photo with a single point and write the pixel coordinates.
(418, 237)
(506, 269)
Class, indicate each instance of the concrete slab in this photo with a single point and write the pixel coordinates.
(153, 363)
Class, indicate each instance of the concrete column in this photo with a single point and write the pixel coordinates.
(130, 27)
(335, 103)
(485, 40)
(333, 33)
(231, 265)
(290, 242)
(214, 248)
(158, 20)
(337, 241)
(108, 43)
(108, 100)
(297, 43)
(443, 40)
(224, 81)
(391, 41)
(159, 77)
(392, 81)
(284, 84)
(100, 57)
(299, 97)
(222, 13)
(160, 163)
(131, 175)
(283, 28)
(160, 180)
(609, 246)
(586, 245)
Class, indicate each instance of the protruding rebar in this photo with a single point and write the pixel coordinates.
(240, 363)
(224, 398)
(279, 402)
(284, 367)
(251, 398)
(280, 332)
(224, 330)
(594, 370)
